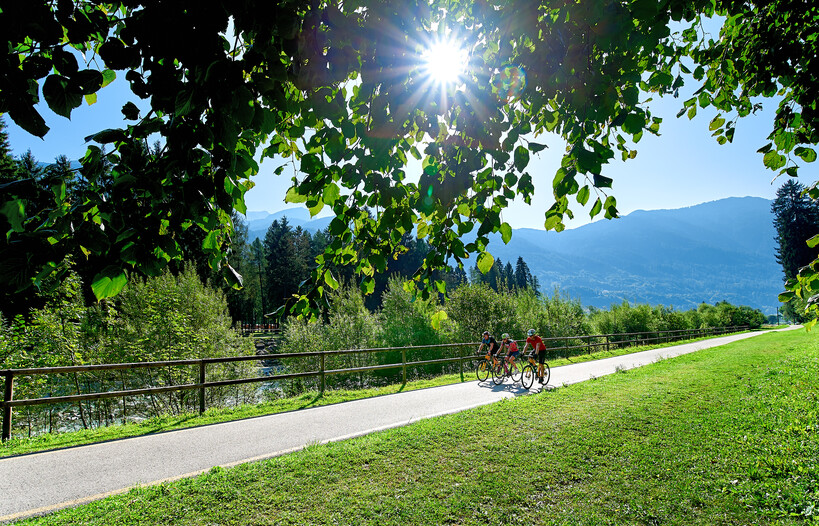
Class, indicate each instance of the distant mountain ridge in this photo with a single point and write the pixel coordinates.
(259, 222)
(721, 250)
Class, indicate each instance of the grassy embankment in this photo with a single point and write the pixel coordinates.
(723, 436)
(44, 442)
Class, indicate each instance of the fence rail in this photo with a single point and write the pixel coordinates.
(557, 345)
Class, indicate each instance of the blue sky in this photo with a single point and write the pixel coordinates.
(683, 167)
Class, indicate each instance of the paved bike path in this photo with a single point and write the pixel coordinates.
(42, 482)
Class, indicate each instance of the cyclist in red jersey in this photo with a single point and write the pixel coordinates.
(539, 349)
(512, 350)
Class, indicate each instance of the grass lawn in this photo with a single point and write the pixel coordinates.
(44, 442)
(721, 436)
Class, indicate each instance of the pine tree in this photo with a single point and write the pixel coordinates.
(8, 166)
(288, 255)
(796, 219)
(523, 277)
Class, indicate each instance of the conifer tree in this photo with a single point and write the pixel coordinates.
(796, 219)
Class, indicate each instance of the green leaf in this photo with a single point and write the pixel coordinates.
(233, 278)
(183, 103)
(367, 285)
(634, 123)
(552, 222)
(130, 111)
(331, 194)
(536, 147)
(293, 196)
(315, 208)
(601, 181)
(716, 123)
(59, 95)
(422, 230)
(437, 319)
(812, 242)
(773, 160)
(15, 214)
(330, 280)
(506, 232)
(211, 241)
(109, 282)
(485, 262)
(107, 136)
(29, 119)
(108, 76)
(786, 296)
(611, 207)
(806, 154)
(378, 261)
(521, 158)
(583, 195)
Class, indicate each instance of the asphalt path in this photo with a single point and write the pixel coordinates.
(42, 482)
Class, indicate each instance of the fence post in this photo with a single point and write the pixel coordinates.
(461, 361)
(588, 338)
(608, 348)
(202, 389)
(404, 366)
(323, 383)
(7, 397)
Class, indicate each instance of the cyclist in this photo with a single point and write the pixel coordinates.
(492, 345)
(512, 350)
(538, 349)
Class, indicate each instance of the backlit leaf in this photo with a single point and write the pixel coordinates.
(109, 282)
(506, 232)
(485, 262)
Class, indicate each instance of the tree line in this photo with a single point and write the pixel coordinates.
(275, 266)
(176, 317)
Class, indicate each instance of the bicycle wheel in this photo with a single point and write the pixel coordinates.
(483, 370)
(528, 376)
(515, 371)
(497, 373)
(547, 373)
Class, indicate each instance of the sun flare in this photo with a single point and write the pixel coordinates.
(445, 61)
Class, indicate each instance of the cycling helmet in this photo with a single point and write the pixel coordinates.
(530, 332)
(486, 333)
(505, 335)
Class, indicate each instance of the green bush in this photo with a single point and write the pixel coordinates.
(406, 320)
(168, 317)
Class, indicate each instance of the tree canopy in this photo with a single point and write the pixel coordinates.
(341, 90)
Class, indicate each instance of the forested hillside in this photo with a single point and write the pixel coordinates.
(722, 250)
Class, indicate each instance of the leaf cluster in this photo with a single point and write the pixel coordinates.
(340, 89)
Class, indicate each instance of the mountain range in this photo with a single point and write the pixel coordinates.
(721, 250)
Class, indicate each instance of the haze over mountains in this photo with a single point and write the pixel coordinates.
(722, 250)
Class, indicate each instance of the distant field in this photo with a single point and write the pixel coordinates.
(721, 436)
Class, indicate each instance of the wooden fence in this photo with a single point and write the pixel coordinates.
(558, 346)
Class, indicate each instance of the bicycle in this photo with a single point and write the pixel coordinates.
(504, 370)
(485, 367)
(529, 373)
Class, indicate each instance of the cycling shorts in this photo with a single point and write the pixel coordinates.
(514, 354)
(540, 356)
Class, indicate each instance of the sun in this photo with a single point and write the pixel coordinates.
(445, 61)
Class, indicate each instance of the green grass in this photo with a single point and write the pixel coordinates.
(48, 441)
(722, 436)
